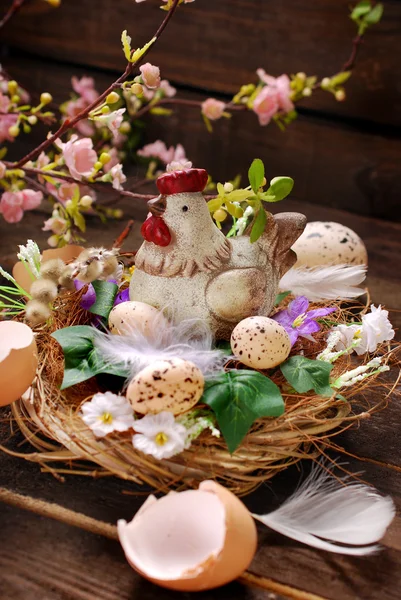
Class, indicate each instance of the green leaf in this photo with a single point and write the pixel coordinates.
(105, 296)
(239, 195)
(340, 78)
(259, 225)
(361, 9)
(79, 221)
(374, 15)
(126, 42)
(281, 297)
(215, 203)
(159, 110)
(81, 359)
(238, 398)
(279, 188)
(256, 174)
(304, 374)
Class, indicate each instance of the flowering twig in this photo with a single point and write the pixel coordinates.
(13, 9)
(350, 63)
(70, 123)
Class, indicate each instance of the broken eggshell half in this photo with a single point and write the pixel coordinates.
(192, 540)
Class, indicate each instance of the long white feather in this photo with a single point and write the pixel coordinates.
(325, 283)
(326, 513)
(190, 340)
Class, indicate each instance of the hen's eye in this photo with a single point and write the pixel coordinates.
(185, 208)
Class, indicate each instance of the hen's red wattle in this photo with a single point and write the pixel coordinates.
(187, 180)
(155, 230)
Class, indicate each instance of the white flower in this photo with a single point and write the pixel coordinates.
(159, 435)
(375, 329)
(350, 378)
(178, 165)
(111, 120)
(118, 176)
(30, 256)
(106, 413)
(195, 425)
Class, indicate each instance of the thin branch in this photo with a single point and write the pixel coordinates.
(350, 63)
(181, 102)
(13, 9)
(69, 123)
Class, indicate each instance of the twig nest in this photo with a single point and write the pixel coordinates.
(173, 385)
(128, 317)
(18, 360)
(190, 541)
(260, 342)
(328, 243)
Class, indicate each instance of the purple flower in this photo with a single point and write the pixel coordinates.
(298, 321)
(122, 297)
(89, 297)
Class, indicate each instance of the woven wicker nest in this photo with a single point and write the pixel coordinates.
(49, 419)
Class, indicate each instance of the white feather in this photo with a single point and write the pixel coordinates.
(190, 340)
(325, 283)
(326, 513)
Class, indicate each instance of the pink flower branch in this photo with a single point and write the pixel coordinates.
(70, 123)
(13, 9)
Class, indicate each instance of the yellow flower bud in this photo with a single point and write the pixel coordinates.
(86, 201)
(46, 98)
(340, 95)
(105, 110)
(220, 215)
(238, 212)
(12, 86)
(117, 213)
(125, 127)
(307, 92)
(112, 98)
(15, 99)
(69, 204)
(98, 165)
(264, 182)
(14, 131)
(325, 83)
(228, 187)
(301, 75)
(136, 89)
(32, 119)
(104, 158)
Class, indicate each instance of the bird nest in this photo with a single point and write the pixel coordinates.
(49, 419)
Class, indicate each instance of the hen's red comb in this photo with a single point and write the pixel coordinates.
(187, 180)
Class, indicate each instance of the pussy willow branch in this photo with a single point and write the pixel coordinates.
(13, 9)
(69, 123)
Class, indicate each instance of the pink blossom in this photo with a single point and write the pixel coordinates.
(41, 162)
(85, 87)
(168, 90)
(7, 121)
(282, 85)
(13, 204)
(4, 103)
(150, 75)
(112, 120)
(56, 224)
(66, 191)
(72, 109)
(213, 109)
(118, 177)
(2, 169)
(79, 156)
(31, 199)
(266, 105)
(166, 155)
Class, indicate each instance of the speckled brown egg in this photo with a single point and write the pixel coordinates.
(128, 317)
(327, 243)
(260, 342)
(173, 385)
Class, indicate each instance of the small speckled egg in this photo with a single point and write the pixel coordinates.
(128, 317)
(327, 243)
(260, 342)
(173, 385)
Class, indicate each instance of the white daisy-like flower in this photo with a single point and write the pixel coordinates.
(159, 435)
(106, 413)
(30, 255)
(374, 330)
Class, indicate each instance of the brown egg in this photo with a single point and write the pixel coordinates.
(260, 342)
(173, 385)
(191, 541)
(128, 317)
(18, 360)
(67, 253)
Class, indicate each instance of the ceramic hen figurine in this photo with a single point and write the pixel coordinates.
(189, 267)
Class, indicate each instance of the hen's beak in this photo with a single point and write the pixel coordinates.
(157, 206)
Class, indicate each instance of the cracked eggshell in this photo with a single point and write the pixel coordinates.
(128, 317)
(328, 243)
(190, 541)
(260, 342)
(18, 360)
(173, 385)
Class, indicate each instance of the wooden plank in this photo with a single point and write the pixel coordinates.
(333, 165)
(219, 45)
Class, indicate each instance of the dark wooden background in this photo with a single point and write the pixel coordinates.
(345, 155)
(346, 160)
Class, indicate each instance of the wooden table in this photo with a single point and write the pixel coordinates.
(43, 558)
